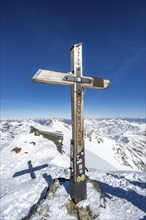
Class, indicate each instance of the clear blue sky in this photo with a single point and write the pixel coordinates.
(39, 34)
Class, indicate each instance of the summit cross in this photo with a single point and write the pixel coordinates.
(77, 82)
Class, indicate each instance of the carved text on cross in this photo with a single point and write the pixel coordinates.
(78, 82)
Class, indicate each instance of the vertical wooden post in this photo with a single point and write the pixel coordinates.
(77, 180)
(78, 189)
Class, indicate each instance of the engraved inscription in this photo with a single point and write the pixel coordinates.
(79, 123)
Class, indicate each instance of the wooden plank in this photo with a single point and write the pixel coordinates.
(54, 77)
(97, 83)
(76, 57)
(51, 77)
(77, 180)
(77, 107)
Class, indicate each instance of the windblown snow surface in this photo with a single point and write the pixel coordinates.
(115, 158)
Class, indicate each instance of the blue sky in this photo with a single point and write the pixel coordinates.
(39, 34)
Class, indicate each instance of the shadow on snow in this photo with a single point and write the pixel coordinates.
(130, 195)
(30, 170)
(49, 181)
(136, 183)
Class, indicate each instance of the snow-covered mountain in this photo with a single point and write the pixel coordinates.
(124, 140)
(119, 143)
(115, 155)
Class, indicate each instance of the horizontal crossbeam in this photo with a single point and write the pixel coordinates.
(51, 77)
(68, 79)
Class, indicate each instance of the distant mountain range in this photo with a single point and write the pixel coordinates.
(31, 159)
(118, 142)
(69, 121)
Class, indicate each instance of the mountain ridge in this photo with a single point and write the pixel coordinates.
(114, 151)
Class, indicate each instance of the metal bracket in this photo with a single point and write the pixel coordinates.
(79, 87)
(72, 78)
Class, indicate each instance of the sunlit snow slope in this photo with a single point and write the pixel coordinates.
(111, 146)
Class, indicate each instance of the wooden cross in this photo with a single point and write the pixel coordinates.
(78, 82)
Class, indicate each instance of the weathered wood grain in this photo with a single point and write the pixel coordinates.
(51, 77)
(97, 83)
(77, 82)
(54, 77)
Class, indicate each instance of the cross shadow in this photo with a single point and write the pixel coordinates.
(131, 196)
(65, 183)
(62, 181)
(30, 170)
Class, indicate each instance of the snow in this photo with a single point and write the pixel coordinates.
(25, 176)
(94, 161)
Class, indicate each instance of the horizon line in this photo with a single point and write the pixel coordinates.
(63, 118)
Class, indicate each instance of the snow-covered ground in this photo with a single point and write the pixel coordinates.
(115, 157)
(124, 195)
